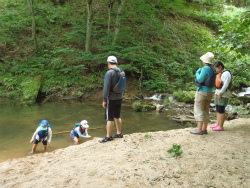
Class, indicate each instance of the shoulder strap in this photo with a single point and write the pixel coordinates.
(226, 71)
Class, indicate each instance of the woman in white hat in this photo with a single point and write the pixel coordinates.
(78, 131)
(203, 95)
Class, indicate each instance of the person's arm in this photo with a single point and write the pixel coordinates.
(201, 75)
(34, 135)
(79, 132)
(107, 85)
(87, 134)
(226, 78)
(50, 135)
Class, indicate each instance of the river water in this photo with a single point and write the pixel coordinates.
(18, 123)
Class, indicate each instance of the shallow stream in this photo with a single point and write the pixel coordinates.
(18, 123)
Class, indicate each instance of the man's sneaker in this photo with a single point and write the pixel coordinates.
(106, 139)
(118, 135)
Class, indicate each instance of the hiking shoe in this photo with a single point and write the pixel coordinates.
(196, 132)
(213, 126)
(204, 131)
(106, 139)
(218, 129)
(118, 135)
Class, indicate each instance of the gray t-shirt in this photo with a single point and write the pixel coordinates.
(110, 80)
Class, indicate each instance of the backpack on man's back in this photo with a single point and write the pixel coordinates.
(121, 84)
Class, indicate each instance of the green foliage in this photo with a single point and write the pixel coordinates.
(175, 150)
(159, 44)
(146, 108)
(148, 135)
(184, 96)
(235, 101)
(234, 36)
(241, 110)
(167, 102)
(30, 88)
(137, 106)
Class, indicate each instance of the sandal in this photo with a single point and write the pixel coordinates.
(106, 139)
(118, 135)
(213, 126)
(196, 132)
(204, 131)
(218, 128)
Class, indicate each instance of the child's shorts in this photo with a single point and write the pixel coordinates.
(44, 142)
(72, 136)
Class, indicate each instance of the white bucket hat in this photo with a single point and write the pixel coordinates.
(207, 58)
(112, 59)
(84, 123)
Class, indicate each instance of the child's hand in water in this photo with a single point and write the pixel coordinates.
(88, 136)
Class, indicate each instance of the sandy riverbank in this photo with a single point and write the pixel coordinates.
(219, 159)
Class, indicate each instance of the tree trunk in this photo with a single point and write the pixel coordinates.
(89, 25)
(109, 10)
(118, 19)
(33, 23)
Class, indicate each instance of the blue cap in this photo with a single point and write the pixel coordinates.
(44, 122)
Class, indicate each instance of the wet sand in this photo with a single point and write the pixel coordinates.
(219, 159)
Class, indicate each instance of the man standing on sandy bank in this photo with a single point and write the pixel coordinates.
(111, 100)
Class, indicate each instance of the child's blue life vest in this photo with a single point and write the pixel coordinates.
(75, 132)
(210, 81)
(121, 84)
(43, 134)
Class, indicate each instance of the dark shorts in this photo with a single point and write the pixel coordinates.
(44, 142)
(220, 109)
(113, 109)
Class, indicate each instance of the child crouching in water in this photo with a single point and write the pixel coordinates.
(78, 131)
(42, 132)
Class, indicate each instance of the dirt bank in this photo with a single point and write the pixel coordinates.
(219, 159)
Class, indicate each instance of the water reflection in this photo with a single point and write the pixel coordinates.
(18, 123)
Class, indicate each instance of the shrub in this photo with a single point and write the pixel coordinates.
(30, 88)
(235, 101)
(146, 108)
(167, 102)
(184, 96)
(137, 106)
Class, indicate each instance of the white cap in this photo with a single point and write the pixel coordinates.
(84, 123)
(207, 58)
(112, 59)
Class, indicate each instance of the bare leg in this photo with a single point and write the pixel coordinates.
(204, 126)
(118, 123)
(221, 120)
(110, 126)
(217, 122)
(199, 125)
(34, 148)
(44, 148)
(76, 140)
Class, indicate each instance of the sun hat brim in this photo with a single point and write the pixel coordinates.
(206, 60)
(85, 126)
